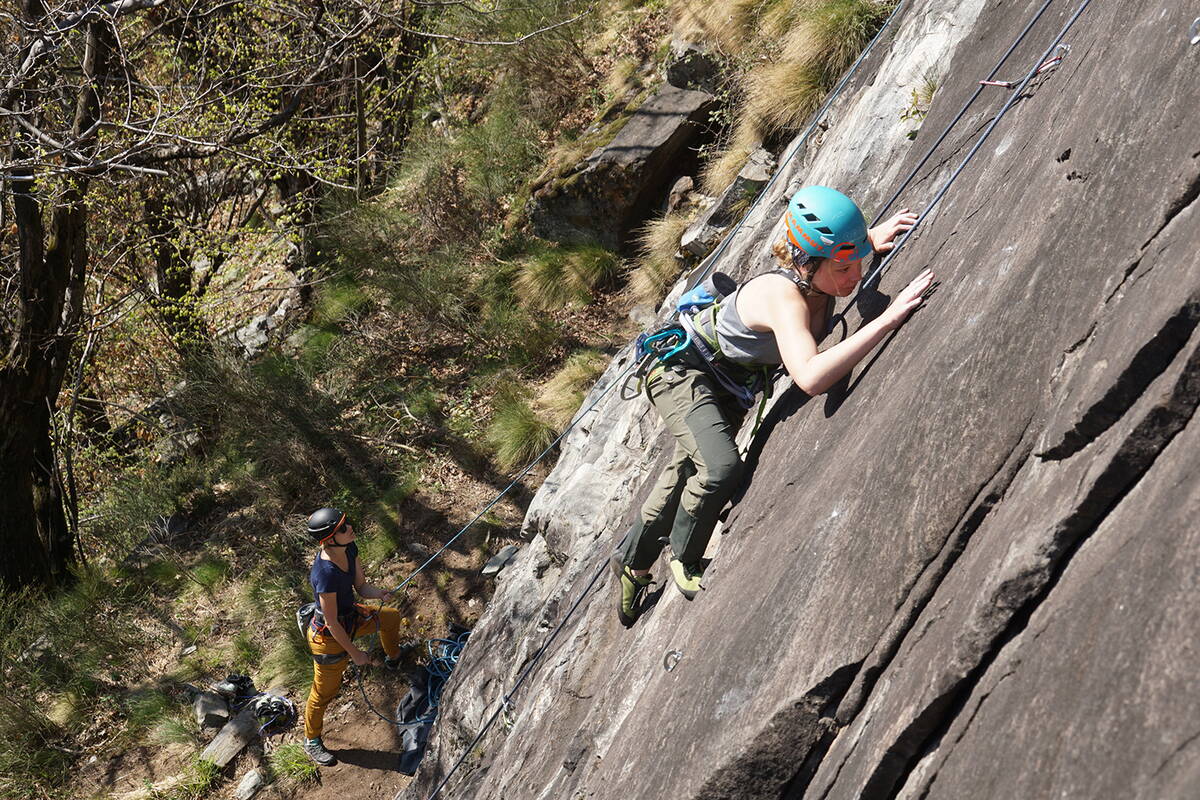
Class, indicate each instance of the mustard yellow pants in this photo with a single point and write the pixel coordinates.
(327, 678)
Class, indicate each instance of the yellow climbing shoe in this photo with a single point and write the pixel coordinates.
(633, 588)
(687, 577)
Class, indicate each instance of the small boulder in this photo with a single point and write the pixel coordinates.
(249, 785)
(692, 66)
(211, 710)
(704, 234)
(499, 561)
(611, 192)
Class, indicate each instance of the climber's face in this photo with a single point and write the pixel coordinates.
(838, 278)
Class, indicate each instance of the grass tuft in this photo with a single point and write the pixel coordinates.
(554, 277)
(793, 53)
(517, 434)
(289, 761)
(658, 266)
(287, 661)
(562, 395)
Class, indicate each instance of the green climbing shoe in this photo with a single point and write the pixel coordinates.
(633, 588)
(687, 577)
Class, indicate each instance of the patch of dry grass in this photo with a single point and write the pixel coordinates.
(562, 395)
(793, 53)
(658, 242)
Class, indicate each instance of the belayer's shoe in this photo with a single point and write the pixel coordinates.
(687, 577)
(317, 752)
(633, 589)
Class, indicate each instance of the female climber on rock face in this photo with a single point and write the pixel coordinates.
(775, 318)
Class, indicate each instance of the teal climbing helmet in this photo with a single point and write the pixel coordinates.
(825, 223)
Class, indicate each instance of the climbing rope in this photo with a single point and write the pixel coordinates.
(443, 658)
(506, 702)
(1038, 67)
(961, 113)
(529, 468)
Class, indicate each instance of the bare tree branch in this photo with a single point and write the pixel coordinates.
(497, 43)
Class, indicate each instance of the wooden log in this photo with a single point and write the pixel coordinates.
(236, 734)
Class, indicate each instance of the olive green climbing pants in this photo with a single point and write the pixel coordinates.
(704, 469)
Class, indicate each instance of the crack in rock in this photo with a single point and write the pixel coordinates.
(990, 493)
(1022, 595)
(1147, 364)
(769, 762)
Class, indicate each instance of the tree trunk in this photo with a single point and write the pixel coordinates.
(33, 527)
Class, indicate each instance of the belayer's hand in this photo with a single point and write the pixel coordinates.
(883, 235)
(907, 301)
(362, 659)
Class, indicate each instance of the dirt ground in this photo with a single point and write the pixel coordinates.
(367, 747)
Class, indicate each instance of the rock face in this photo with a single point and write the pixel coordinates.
(615, 188)
(703, 235)
(971, 570)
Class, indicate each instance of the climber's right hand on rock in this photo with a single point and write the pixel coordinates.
(907, 301)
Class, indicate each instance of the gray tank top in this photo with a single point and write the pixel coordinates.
(737, 341)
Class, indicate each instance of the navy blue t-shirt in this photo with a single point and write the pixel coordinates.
(327, 577)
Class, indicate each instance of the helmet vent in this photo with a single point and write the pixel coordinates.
(810, 216)
(825, 230)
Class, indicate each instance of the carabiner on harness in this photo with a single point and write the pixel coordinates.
(651, 349)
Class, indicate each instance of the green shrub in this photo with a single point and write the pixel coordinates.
(210, 572)
(288, 661)
(146, 708)
(336, 300)
(198, 780)
(553, 277)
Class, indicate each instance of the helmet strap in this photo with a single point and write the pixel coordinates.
(802, 262)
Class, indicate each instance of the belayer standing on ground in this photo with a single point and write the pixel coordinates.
(775, 318)
(335, 576)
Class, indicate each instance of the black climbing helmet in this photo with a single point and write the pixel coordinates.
(324, 523)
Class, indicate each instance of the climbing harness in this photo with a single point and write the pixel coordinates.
(1060, 53)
